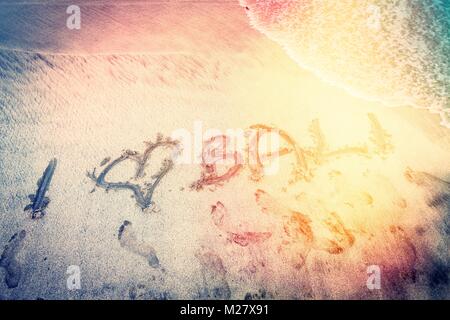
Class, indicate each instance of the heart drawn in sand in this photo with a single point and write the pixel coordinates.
(142, 193)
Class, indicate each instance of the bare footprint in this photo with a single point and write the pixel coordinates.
(427, 180)
(327, 233)
(8, 260)
(215, 285)
(128, 240)
(438, 188)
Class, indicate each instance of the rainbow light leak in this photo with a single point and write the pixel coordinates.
(332, 116)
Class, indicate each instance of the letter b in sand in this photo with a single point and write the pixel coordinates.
(74, 279)
(74, 20)
(374, 279)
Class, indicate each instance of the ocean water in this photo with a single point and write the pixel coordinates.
(396, 52)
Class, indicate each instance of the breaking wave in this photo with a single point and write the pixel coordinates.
(396, 52)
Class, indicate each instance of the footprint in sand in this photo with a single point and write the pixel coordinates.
(128, 240)
(9, 262)
(215, 285)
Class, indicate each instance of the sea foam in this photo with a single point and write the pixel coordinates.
(396, 52)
